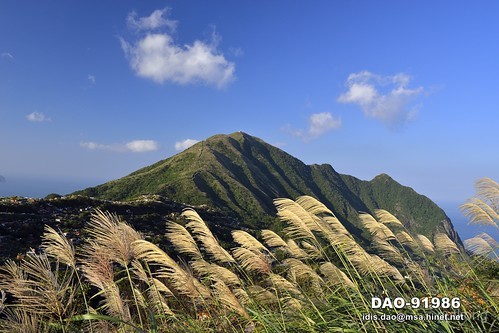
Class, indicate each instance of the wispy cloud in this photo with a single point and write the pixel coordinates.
(236, 51)
(184, 144)
(319, 124)
(2, 179)
(135, 146)
(386, 98)
(37, 117)
(91, 78)
(154, 21)
(96, 146)
(158, 57)
(7, 55)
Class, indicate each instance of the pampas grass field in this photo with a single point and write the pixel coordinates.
(314, 276)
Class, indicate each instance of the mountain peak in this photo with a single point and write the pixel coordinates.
(239, 136)
(383, 177)
(242, 174)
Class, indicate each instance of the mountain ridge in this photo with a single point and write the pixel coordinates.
(243, 174)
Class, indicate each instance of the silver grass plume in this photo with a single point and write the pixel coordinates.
(216, 272)
(313, 206)
(296, 227)
(272, 239)
(335, 276)
(182, 241)
(309, 219)
(483, 208)
(444, 244)
(252, 262)
(488, 189)
(182, 281)
(386, 217)
(376, 229)
(478, 246)
(247, 241)
(406, 240)
(312, 251)
(479, 212)
(98, 270)
(295, 251)
(261, 295)
(37, 288)
(226, 297)
(301, 271)
(203, 234)
(383, 268)
(489, 239)
(111, 235)
(388, 252)
(156, 292)
(283, 285)
(426, 244)
(58, 247)
(18, 320)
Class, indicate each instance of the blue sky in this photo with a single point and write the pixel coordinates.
(93, 90)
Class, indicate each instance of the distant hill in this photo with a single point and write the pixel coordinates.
(241, 174)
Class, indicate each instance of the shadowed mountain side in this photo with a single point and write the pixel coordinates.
(242, 174)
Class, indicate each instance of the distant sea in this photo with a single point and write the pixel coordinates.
(39, 188)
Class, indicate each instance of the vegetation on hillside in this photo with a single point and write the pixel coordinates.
(242, 174)
(312, 277)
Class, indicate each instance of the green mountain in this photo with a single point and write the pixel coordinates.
(241, 174)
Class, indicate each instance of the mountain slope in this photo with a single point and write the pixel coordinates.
(242, 174)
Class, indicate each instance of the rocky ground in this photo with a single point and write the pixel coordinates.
(22, 220)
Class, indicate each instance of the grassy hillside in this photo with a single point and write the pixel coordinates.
(243, 174)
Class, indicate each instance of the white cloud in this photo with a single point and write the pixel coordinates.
(7, 55)
(154, 21)
(37, 117)
(140, 146)
(319, 124)
(182, 145)
(156, 56)
(91, 78)
(135, 146)
(386, 98)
